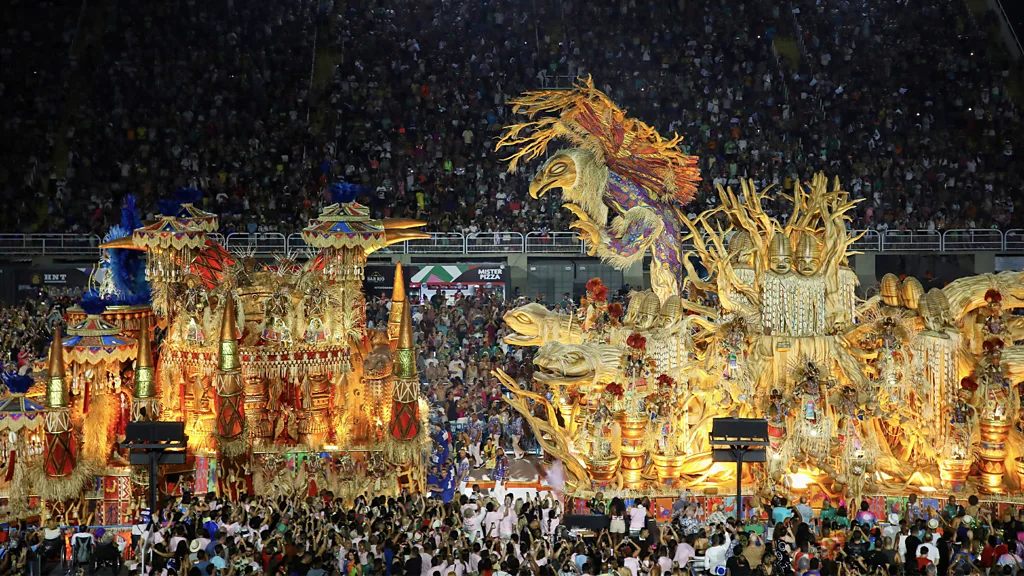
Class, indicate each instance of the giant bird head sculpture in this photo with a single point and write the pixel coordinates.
(581, 175)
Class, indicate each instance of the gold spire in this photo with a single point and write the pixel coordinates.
(145, 381)
(398, 292)
(56, 393)
(405, 354)
(228, 359)
(398, 305)
(405, 331)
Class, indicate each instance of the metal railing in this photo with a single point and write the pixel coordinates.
(972, 240)
(539, 243)
(438, 243)
(49, 244)
(491, 242)
(554, 243)
(1013, 240)
(911, 241)
(871, 241)
(257, 243)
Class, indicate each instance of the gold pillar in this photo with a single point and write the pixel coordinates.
(398, 304)
(145, 402)
(631, 458)
(992, 455)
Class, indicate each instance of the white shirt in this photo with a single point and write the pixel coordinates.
(716, 555)
(427, 561)
(491, 520)
(665, 563)
(933, 552)
(507, 524)
(901, 545)
(472, 522)
(637, 517)
(633, 564)
(684, 553)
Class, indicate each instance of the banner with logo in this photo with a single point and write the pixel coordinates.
(453, 275)
(55, 280)
(378, 281)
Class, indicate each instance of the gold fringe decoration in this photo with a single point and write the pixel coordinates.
(66, 487)
(17, 499)
(234, 447)
(98, 427)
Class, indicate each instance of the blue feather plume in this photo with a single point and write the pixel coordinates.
(130, 219)
(92, 305)
(172, 206)
(344, 192)
(126, 268)
(16, 383)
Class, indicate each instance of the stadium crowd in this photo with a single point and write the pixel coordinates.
(26, 328)
(459, 342)
(473, 532)
(912, 113)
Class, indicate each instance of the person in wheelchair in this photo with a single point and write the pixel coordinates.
(107, 553)
(51, 549)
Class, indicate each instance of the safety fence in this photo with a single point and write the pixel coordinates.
(538, 243)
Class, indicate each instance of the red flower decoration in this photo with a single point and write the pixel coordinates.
(992, 344)
(593, 284)
(615, 389)
(601, 293)
(968, 383)
(993, 295)
(665, 380)
(636, 341)
(615, 310)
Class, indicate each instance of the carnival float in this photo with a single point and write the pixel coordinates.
(281, 386)
(904, 391)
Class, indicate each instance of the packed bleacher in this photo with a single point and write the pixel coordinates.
(34, 57)
(909, 103)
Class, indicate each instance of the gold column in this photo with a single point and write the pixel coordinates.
(398, 304)
(229, 387)
(631, 461)
(145, 402)
(992, 455)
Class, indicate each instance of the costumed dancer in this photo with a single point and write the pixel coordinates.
(476, 437)
(514, 430)
(464, 468)
(490, 453)
(61, 444)
(500, 469)
(145, 404)
(494, 427)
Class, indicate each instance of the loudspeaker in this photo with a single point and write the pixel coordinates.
(154, 432)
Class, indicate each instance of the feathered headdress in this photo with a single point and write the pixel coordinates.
(345, 192)
(16, 383)
(589, 119)
(127, 268)
(181, 196)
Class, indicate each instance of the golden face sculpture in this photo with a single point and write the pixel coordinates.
(741, 248)
(558, 172)
(808, 258)
(671, 311)
(780, 254)
(891, 290)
